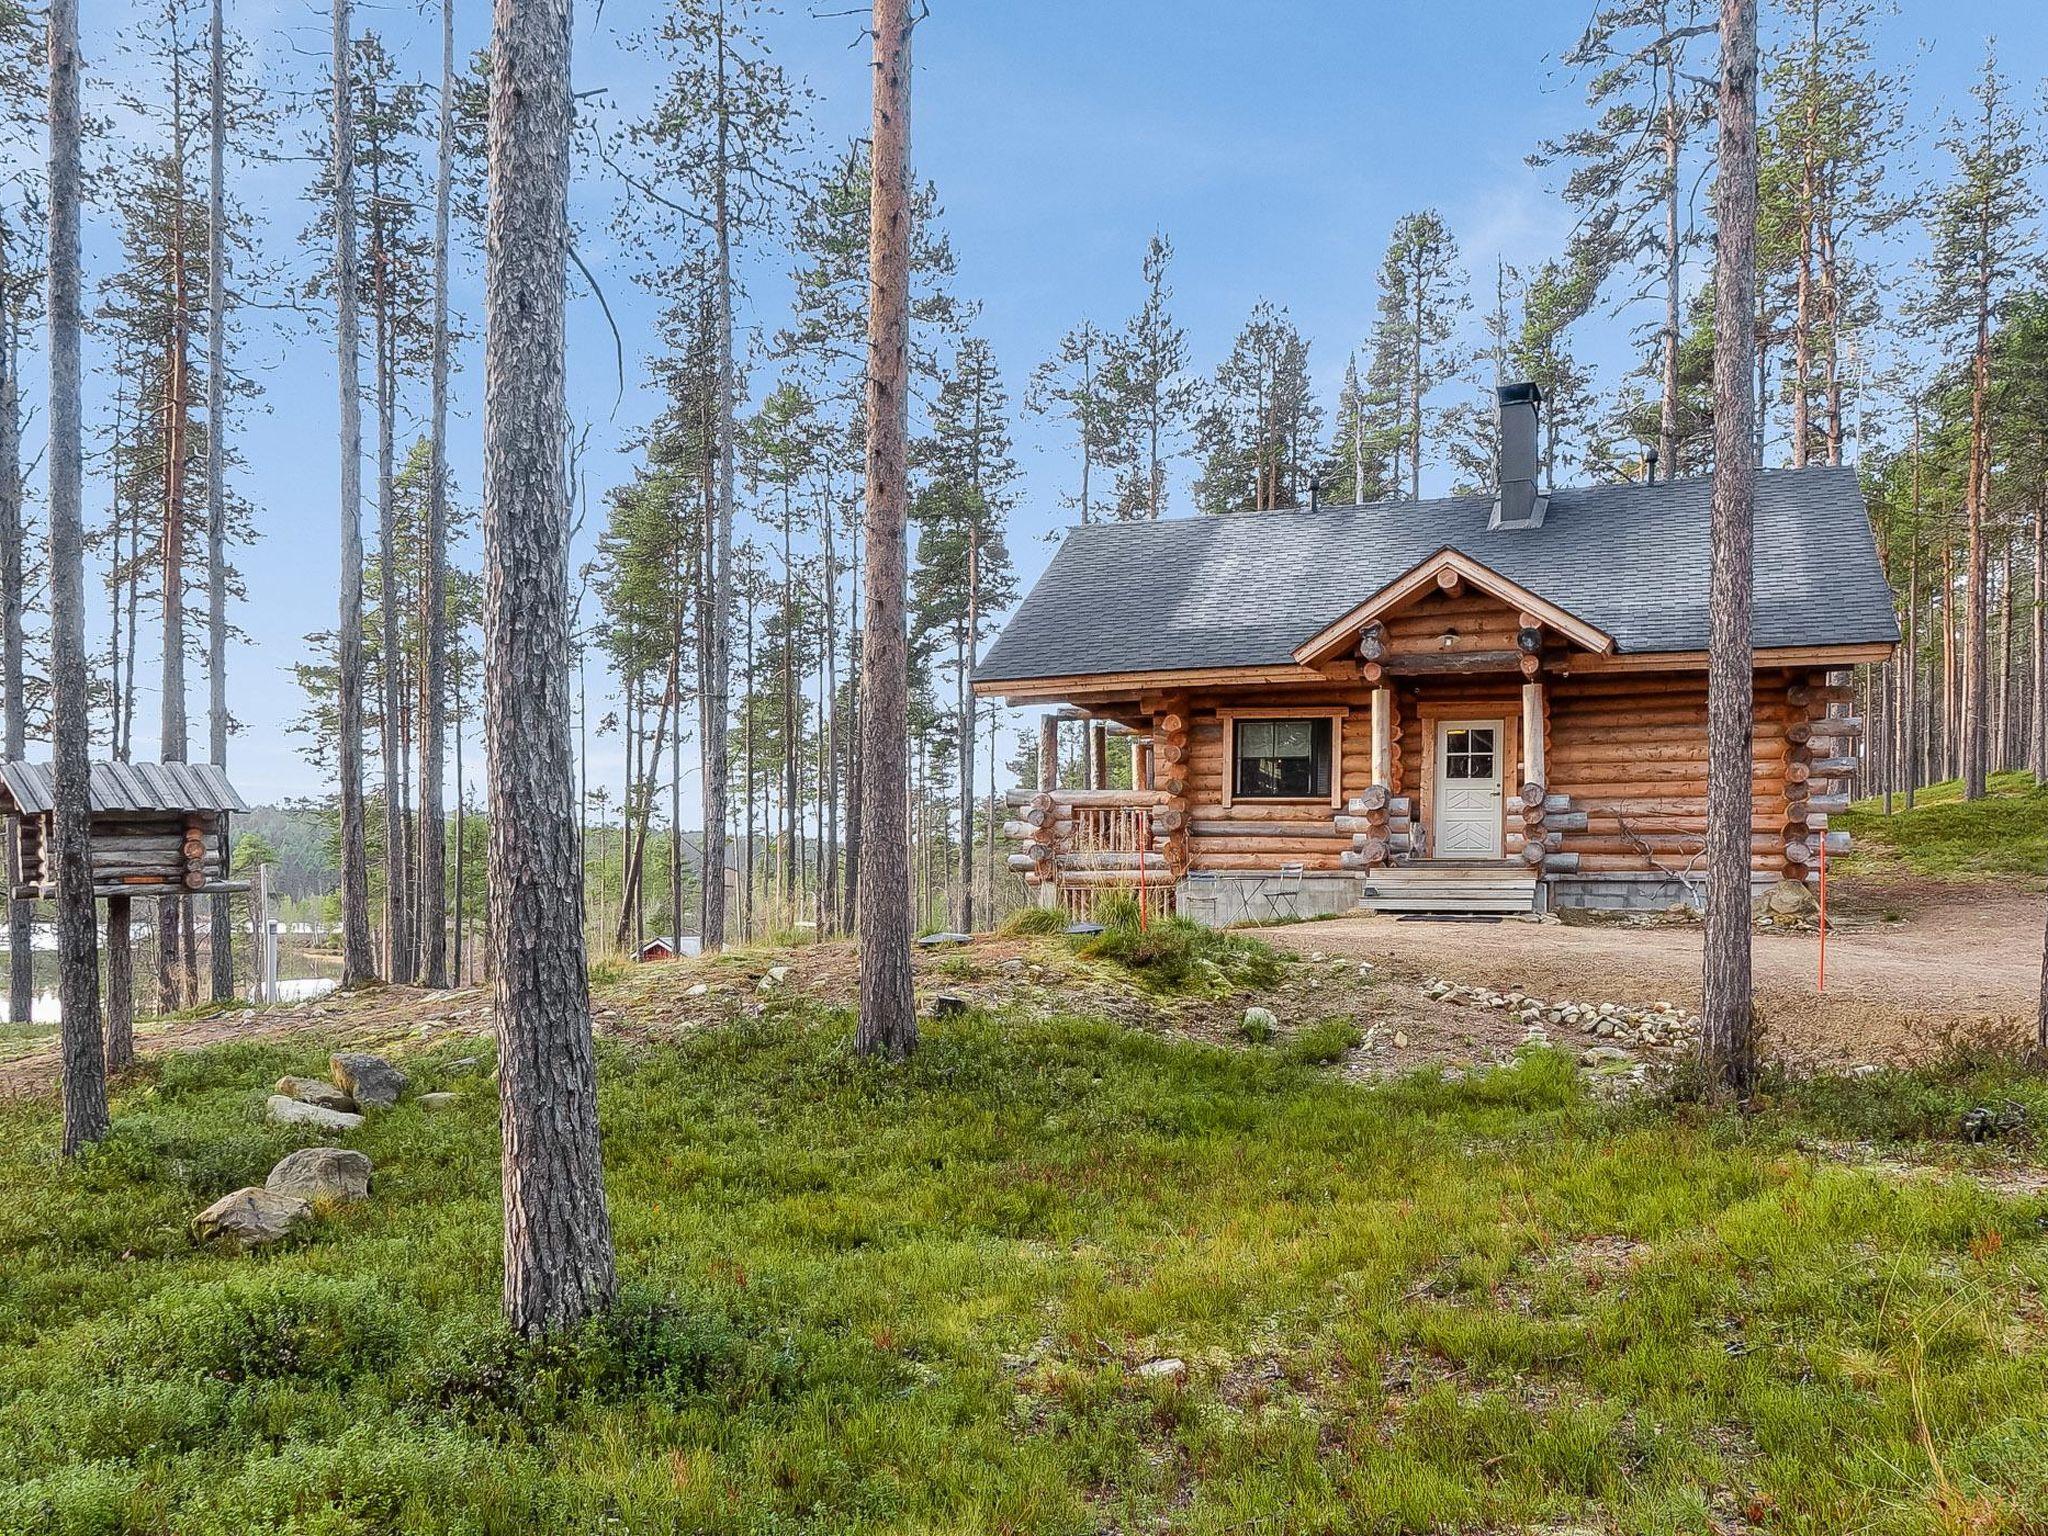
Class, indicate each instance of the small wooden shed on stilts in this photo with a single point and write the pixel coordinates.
(158, 829)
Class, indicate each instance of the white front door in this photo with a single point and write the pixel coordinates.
(1468, 778)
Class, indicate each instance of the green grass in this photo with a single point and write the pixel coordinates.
(2005, 834)
(916, 1299)
(1173, 954)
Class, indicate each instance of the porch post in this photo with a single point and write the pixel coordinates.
(1383, 737)
(1048, 751)
(1532, 734)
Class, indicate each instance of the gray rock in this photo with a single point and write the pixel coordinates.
(313, 1090)
(1153, 1370)
(948, 1005)
(1259, 1023)
(439, 1100)
(251, 1218)
(1604, 1056)
(935, 940)
(370, 1080)
(698, 989)
(777, 975)
(1790, 898)
(293, 1112)
(322, 1173)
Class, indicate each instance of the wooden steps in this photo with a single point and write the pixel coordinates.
(1450, 885)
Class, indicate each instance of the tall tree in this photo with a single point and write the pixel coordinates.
(1071, 384)
(1151, 394)
(1259, 424)
(358, 962)
(1726, 1034)
(888, 1010)
(78, 960)
(220, 924)
(1628, 168)
(1982, 236)
(558, 1242)
(433, 739)
(717, 146)
(963, 574)
(18, 279)
(1360, 461)
(1421, 300)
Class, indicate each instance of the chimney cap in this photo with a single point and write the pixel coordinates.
(1524, 393)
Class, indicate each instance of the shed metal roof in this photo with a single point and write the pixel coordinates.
(117, 787)
(1631, 559)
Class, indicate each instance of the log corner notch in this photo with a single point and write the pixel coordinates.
(1820, 765)
(1381, 826)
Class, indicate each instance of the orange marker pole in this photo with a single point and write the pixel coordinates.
(1823, 914)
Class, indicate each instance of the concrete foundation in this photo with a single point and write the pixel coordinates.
(1628, 892)
(1219, 901)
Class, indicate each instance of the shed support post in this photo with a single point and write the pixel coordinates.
(1383, 737)
(263, 942)
(1140, 750)
(1532, 734)
(1048, 750)
(120, 985)
(1098, 754)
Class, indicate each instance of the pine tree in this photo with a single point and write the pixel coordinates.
(1259, 426)
(1629, 170)
(433, 811)
(1151, 394)
(963, 577)
(1726, 1030)
(888, 1012)
(1421, 300)
(84, 1086)
(358, 963)
(559, 1267)
(1071, 384)
(1983, 238)
(1360, 460)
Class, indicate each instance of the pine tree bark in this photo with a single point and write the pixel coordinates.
(13, 601)
(888, 1016)
(358, 960)
(221, 924)
(121, 984)
(177, 981)
(78, 962)
(1726, 1038)
(433, 906)
(398, 951)
(558, 1248)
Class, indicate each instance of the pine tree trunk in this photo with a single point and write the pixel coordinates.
(433, 904)
(1726, 1039)
(558, 1248)
(718, 697)
(120, 983)
(221, 923)
(358, 961)
(21, 959)
(888, 1017)
(175, 983)
(78, 962)
(1667, 410)
(397, 902)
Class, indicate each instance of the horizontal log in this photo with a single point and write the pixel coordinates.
(1532, 852)
(1098, 798)
(1276, 846)
(1019, 831)
(1111, 879)
(1835, 767)
(1021, 861)
(1372, 798)
(1265, 829)
(1827, 804)
(1560, 863)
(102, 889)
(1108, 861)
(1532, 792)
(1262, 863)
(1836, 727)
(1836, 842)
(1830, 693)
(1565, 821)
(1442, 663)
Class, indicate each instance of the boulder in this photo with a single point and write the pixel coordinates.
(370, 1080)
(314, 1090)
(294, 1112)
(322, 1173)
(251, 1218)
(1258, 1023)
(1790, 898)
(777, 975)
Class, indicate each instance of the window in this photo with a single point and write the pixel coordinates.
(1282, 759)
(1468, 753)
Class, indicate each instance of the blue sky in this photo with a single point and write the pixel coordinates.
(1276, 143)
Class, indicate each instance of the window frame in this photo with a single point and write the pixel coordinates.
(1229, 719)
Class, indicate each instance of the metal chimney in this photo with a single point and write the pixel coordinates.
(1517, 503)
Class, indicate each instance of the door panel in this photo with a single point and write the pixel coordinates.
(1468, 789)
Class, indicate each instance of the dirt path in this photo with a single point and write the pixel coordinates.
(1959, 963)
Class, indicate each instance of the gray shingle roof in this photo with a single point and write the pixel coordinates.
(1630, 559)
(127, 787)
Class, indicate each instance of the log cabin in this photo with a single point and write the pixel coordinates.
(1480, 703)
